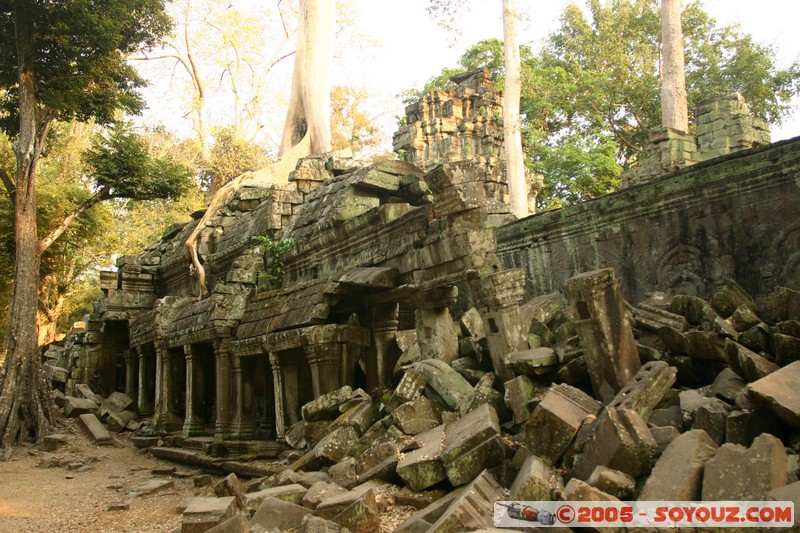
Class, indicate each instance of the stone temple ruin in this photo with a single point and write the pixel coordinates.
(422, 330)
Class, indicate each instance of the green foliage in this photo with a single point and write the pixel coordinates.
(274, 250)
(591, 96)
(231, 156)
(120, 163)
(80, 48)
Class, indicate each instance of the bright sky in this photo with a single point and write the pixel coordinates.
(414, 48)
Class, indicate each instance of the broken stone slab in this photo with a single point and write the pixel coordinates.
(667, 416)
(231, 486)
(92, 426)
(149, 487)
(712, 418)
(422, 520)
(471, 509)
(468, 366)
(781, 304)
(334, 505)
(708, 345)
(472, 324)
(410, 387)
(330, 450)
(519, 393)
(319, 492)
(678, 473)
(115, 403)
(652, 318)
(737, 473)
(727, 385)
(536, 481)
(533, 362)
(664, 436)
(55, 373)
(361, 516)
(542, 308)
(422, 467)
(743, 318)
(742, 427)
(696, 310)
(620, 440)
(729, 297)
(786, 348)
(274, 513)
(285, 477)
(54, 441)
(359, 416)
(235, 524)
(556, 419)
(327, 405)
(119, 421)
(378, 461)
(604, 330)
(780, 393)
(646, 389)
(296, 435)
(415, 416)
(578, 490)
(289, 493)
(344, 473)
(613, 482)
(83, 390)
(78, 406)
(315, 524)
(472, 444)
(308, 479)
(485, 393)
(690, 401)
(449, 385)
(418, 499)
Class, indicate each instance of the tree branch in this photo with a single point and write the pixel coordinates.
(98, 197)
(9, 184)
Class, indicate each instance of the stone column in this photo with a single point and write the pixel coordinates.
(164, 418)
(604, 330)
(280, 408)
(242, 426)
(193, 425)
(144, 402)
(436, 333)
(498, 296)
(222, 353)
(382, 353)
(324, 360)
(131, 373)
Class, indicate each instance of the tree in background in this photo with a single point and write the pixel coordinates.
(591, 96)
(68, 65)
(351, 126)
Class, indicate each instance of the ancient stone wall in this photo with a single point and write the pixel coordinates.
(689, 231)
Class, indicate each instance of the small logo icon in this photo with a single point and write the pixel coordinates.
(529, 514)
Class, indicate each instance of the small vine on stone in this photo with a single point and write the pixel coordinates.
(274, 250)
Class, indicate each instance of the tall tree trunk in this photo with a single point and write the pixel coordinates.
(26, 409)
(512, 127)
(309, 112)
(674, 106)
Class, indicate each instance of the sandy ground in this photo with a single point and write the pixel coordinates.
(36, 498)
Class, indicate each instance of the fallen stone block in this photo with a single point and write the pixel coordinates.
(708, 345)
(741, 427)
(613, 482)
(652, 318)
(678, 473)
(59, 398)
(92, 426)
(780, 392)
(361, 516)
(542, 308)
(472, 324)
(727, 385)
(55, 373)
(690, 401)
(415, 416)
(646, 389)
(115, 403)
(274, 513)
(743, 318)
(422, 520)
(359, 416)
(418, 499)
(786, 348)
(604, 330)
(319, 492)
(76, 407)
(288, 493)
(519, 393)
(333, 506)
(577, 490)
(667, 416)
(296, 435)
(119, 421)
(83, 390)
(446, 383)
(536, 481)
(235, 524)
(329, 450)
(472, 444)
(471, 509)
(422, 467)
(745, 474)
(712, 418)
(315, 524)
(485, 393)
(344, 473)
(410, 387)
(231, 486)
(620, 440)
(782, 304)
(307, 479)
(696, 310)
(746, 363)
(149, 487)
(533, 362)
(555, 421)
(788, 493)
(378, 461)
(54, 441)
(467, 366)
(327, 405)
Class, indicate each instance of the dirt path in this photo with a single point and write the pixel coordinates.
(41, 499)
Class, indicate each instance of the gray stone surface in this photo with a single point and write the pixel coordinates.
(780, 392)
(231, 486)
(422, 468)
(361, 516)
(288, 493)
(204, 513)
(578, 490)
(470, 509)
(678, 473)
(149, 487)
(319, 491)
(449, 385)
(276, 513)
(92, 426)
(235, 524)
(613, 482)
(747, 474)
(415, 416)
(518, 394)
(646, 389)
(75, 407)
(410, 387)
(472, 444)
(536, 481)
(327, 405)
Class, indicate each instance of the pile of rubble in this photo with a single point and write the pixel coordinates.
(677, 398)
(99, 417)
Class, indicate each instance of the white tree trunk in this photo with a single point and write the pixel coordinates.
(674, 107)
(309, 111)
(512, 127)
